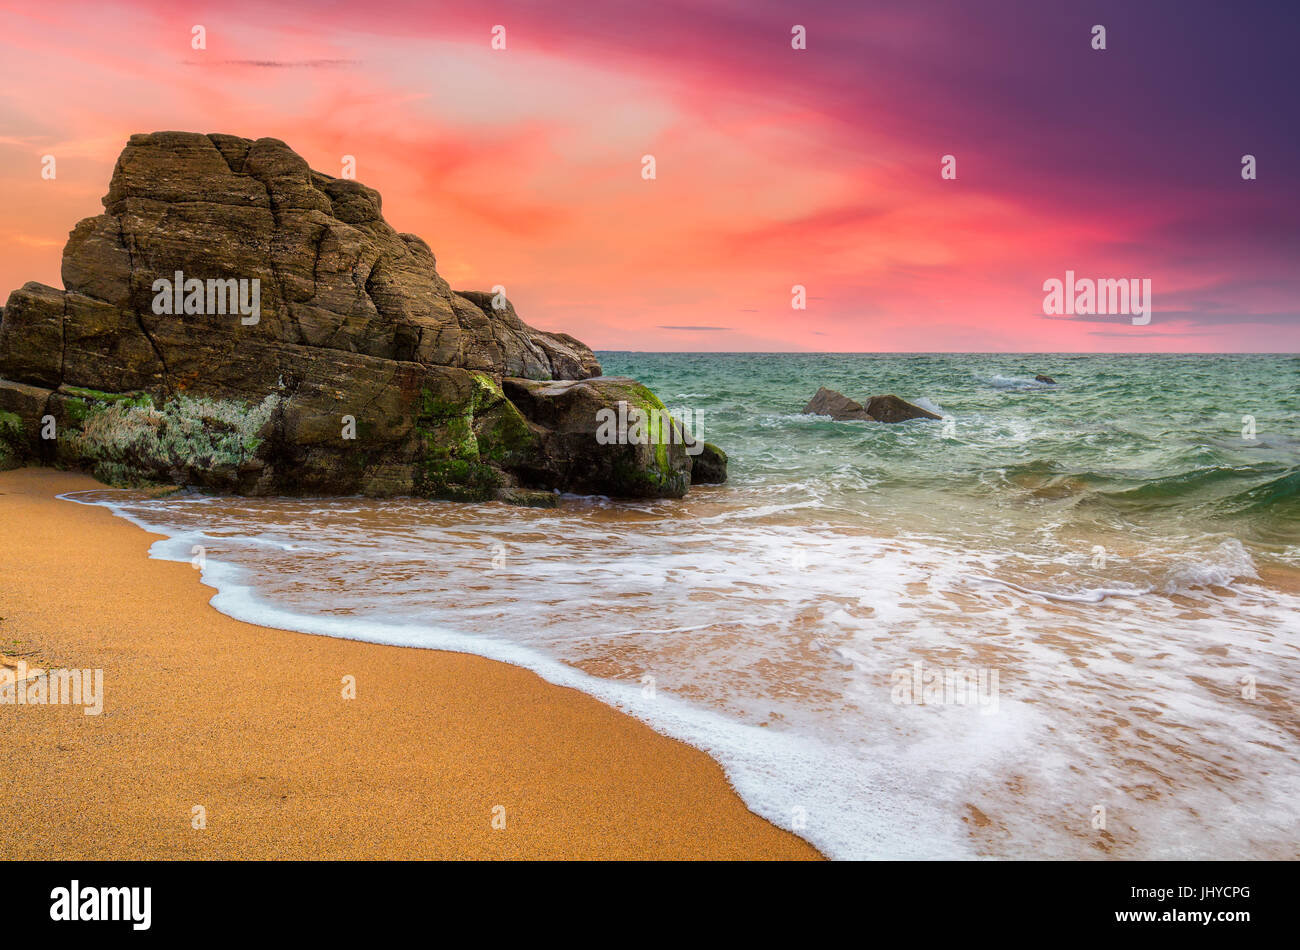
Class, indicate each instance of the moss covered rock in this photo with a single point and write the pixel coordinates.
(609, 435)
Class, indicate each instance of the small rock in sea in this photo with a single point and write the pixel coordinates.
(892, 409)
(1040, 378)
(827, 402)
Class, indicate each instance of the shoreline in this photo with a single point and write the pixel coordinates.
(418, 765)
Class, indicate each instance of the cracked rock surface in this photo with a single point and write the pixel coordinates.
(364, 373)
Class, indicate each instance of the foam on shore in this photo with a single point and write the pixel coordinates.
(782, 671)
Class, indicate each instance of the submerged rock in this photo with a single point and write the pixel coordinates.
(827, 402)
(240, 322)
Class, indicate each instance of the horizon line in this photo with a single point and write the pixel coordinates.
(956, 352)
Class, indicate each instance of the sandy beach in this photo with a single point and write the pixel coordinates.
(250, 724)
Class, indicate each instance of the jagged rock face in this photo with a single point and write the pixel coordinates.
(363, 371)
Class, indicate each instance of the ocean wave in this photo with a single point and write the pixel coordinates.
(1283, 491)
(1171, 488)
(1227, 563)
(1087, 595)
(1222, 490)
(998, 381)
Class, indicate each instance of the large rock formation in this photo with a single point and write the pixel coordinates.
(354, 368)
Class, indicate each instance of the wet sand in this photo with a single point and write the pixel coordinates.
(249, 723)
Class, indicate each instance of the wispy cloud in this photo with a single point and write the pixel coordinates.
(277, 63)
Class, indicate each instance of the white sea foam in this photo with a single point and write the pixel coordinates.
(998, 381)
(774, 638)
(1228, 562)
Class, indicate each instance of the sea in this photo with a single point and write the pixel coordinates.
(1061, 622)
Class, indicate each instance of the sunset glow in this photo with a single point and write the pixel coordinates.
(775, 167)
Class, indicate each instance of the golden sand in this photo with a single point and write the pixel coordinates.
(250, 724)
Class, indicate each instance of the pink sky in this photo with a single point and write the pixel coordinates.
(775, 167)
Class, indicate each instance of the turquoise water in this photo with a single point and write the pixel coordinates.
(966, 638)
(1120, 442)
